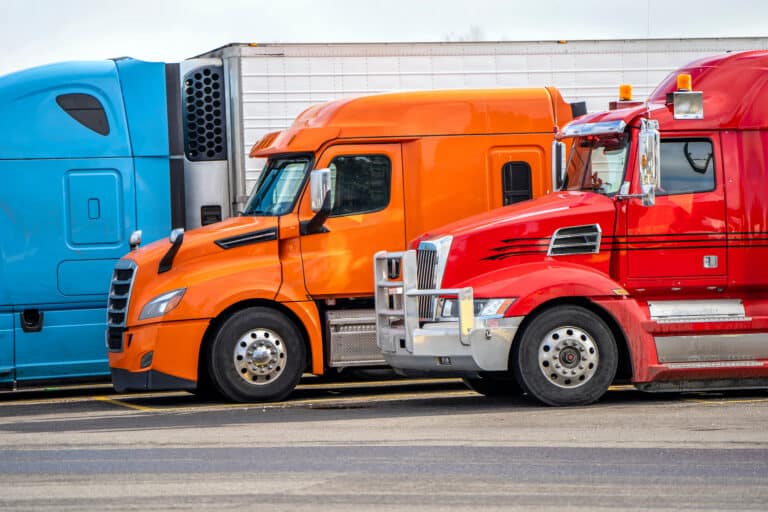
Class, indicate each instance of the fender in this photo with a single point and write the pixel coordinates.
(309, 316)
(210, 290)
(535, 284)
(538, 282)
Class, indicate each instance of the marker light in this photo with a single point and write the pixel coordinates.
(625, 92)
(684, 82)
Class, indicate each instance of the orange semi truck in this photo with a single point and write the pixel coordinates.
(244, 307)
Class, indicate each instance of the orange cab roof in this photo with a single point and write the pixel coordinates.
(404, 115)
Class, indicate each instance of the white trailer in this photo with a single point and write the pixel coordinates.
(268, 85)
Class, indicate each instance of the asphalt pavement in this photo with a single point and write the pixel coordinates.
(388, 445)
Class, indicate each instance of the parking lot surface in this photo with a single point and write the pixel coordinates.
(381, 445)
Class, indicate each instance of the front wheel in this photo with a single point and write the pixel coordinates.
(258, 355)
(566, 356)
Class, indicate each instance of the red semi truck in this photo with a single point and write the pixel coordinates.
(648, 266)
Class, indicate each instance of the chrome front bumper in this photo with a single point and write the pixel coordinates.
(468, 345)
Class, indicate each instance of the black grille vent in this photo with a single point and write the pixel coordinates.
(117, 306)
(205, 135)
(115, 339)
(575, 240)
(425, 273)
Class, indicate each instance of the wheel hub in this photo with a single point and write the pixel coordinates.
(259, 356)
(568, 357)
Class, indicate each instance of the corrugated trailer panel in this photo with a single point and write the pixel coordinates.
(278, 81)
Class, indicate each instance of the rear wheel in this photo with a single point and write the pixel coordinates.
(493, 385)
(258, 355)
(566, 356)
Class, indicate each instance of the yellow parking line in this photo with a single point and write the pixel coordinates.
(715, 401)
(314, 402)
(135, 407)
(330, 402)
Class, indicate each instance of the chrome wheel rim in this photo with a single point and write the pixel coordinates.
(260, 356)
(568, 357)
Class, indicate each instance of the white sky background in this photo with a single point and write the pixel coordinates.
(36, 32)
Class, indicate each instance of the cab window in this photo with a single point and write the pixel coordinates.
(359, 184)
(687, 166)
(516, 182)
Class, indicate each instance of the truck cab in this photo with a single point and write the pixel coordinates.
(84, 160)
(643, 268)
(244, 307)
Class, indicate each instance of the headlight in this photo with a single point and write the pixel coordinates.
(162, 304)
(482, 307)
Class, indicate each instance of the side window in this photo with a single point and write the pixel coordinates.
(516, 182)
(686, 166)
(86, 110)
(359, 184)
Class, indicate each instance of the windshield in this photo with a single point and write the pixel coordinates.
(278, 187)
(597, 164)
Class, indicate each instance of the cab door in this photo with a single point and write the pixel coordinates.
(367, 215)
(679, 243)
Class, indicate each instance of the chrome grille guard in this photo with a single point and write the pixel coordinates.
(397, 302)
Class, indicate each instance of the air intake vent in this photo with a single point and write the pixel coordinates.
(205, 133)
(575, 240)
(427, 262)
(117, 305)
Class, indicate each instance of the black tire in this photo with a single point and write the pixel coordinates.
(258, 355)
(494, 386)
(205, 390)
(566, 356)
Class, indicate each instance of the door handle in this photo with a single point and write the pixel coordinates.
(31, 320)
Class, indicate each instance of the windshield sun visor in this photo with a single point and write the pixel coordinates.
(600, 128)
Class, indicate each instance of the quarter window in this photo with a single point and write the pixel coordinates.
(516, 182)
(359, 184)
(86, 110)
(687, 166)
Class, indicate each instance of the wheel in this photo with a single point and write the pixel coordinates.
(566, 356)
(258, 355)
(494, 385)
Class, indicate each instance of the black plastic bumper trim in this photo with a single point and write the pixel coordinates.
(151, 380)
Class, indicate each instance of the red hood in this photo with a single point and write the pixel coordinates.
(522, 233)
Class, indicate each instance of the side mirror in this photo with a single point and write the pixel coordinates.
(135, 240)
(319, 188)
(558, 164)
(649, 160)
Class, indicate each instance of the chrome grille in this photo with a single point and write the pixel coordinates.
(117, 305)
(575, 240)
(426, 260)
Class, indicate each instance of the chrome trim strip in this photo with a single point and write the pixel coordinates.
(716, 364)
(712, 348)
(254, 237)
(686, 311)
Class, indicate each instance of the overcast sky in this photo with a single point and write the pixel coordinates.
(40, 31)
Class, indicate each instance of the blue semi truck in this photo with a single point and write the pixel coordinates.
(91, 153)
